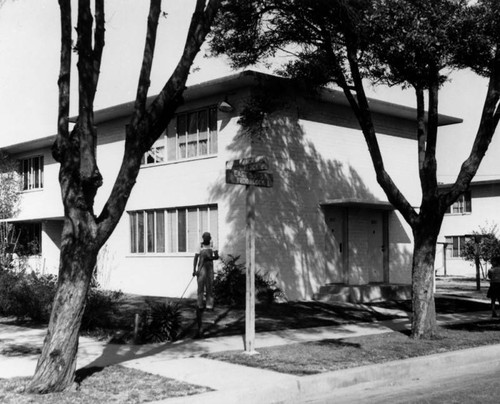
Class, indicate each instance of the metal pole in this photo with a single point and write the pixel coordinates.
(250, 271)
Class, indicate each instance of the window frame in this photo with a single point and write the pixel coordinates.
(29, 178)
(154, 154)
(171, 138)
(462, 206)
(170, 241)
(454, 246)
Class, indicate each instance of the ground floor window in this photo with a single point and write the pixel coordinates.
(455, 244)
(27, 238)
(172, 230)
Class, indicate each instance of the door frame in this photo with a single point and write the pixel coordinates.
(385, 209)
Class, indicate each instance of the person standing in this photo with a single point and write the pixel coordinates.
(494, 289)
(203, 269)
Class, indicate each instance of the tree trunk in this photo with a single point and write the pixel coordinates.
(57, 364)
(424, 252)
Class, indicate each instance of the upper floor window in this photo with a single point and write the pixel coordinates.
(462, 204)
(154, 155)
(190, 135)
(173, 230)
(32, 173)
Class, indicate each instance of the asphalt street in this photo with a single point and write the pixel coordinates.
(473, 385)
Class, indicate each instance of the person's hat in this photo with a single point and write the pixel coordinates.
(206, 236)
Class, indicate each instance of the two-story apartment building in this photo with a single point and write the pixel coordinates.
(324, 230)
(475, 211)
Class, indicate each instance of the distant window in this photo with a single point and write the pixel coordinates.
(32, 173)
(172, 230)
(455, 244)
(462, 205)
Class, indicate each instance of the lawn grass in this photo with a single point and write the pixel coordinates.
(113, 384)
(117, 384)
(332, 354)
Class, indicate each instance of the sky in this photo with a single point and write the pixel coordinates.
(29, 54)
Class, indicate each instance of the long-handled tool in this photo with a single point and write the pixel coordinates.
(183, 293)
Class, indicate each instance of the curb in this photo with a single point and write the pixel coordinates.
(301, 389)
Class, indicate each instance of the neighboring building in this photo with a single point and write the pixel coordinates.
(475, 210)
(324, 230)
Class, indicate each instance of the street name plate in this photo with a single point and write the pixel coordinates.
(258, 163)
(243, 177)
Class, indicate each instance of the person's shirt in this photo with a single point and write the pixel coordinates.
(205, 253)
(494, 274)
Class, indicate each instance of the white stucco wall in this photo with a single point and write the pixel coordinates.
(315, 152)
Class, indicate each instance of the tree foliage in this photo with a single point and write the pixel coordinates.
(10, 185)
(484, 245)
(395, 42)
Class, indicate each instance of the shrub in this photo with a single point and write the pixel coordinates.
(27, 295)
(8, 280)
(101, 309)
(160, 322)
(230, 284)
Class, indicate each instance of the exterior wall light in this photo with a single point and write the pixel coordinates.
(225, 106)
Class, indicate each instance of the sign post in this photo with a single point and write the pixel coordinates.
(249, 172)
(250, 271)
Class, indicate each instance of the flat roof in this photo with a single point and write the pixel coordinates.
(31, 219)
(247, 78)
(250, 78)
(493, 181)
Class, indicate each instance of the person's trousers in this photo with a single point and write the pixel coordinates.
(205, 287)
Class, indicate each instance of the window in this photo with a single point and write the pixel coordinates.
(154, 155)
(455, 246)
(32, 173)
(175, 230)
(29, 236)
(462, 205)
(190, 135)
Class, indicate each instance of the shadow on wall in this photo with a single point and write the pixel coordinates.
(290, 224)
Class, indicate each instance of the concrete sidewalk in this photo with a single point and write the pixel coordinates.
(234, 383)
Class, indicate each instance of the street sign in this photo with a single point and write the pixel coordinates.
(256, 178)
(258, 163)
(250, 172)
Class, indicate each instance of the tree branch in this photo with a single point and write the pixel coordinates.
(85, 64)
(147, 61)
(141, 135)
(98, 41)
(64, 79)
(88, 73)
(429, 185)
(366, 122)
(419, 93)
(486, 130)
